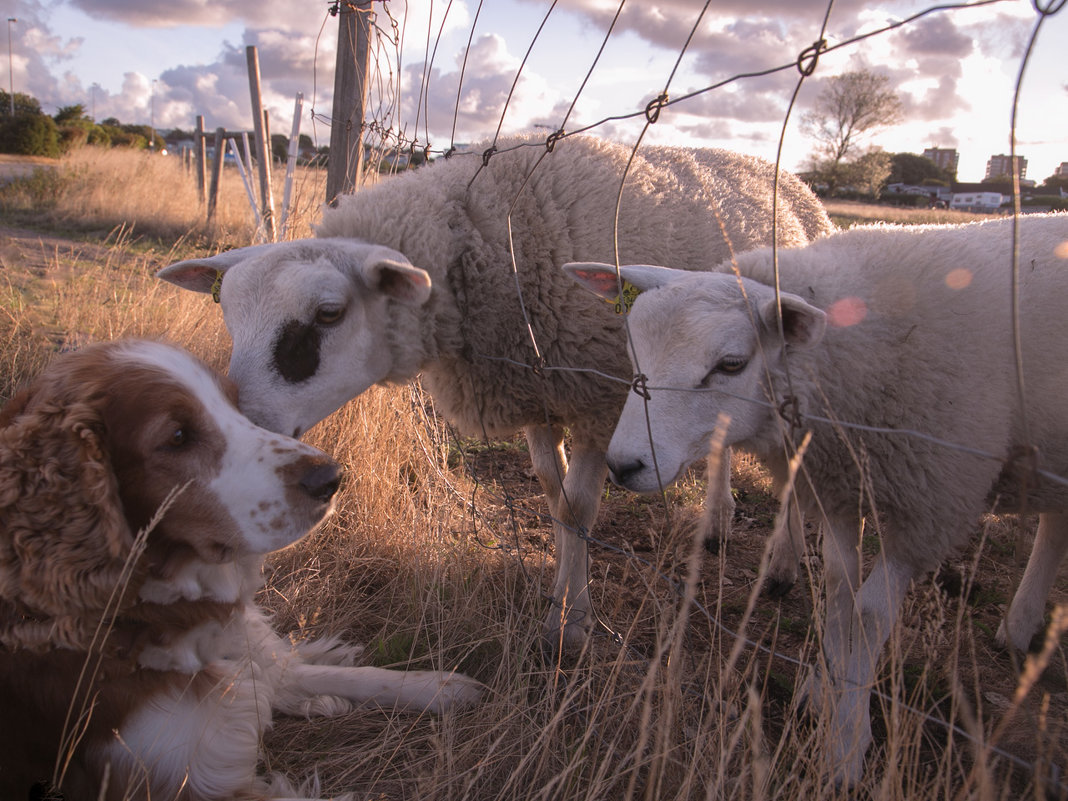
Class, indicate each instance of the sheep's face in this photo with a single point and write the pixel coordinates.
(703, 349)
(310, 320)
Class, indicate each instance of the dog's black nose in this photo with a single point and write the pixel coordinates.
(321, 480)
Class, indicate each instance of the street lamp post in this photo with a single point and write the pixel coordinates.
(152, 119)
(10, 66)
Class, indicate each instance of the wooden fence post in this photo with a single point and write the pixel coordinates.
(216, 171)
(350, 96)
(263, 145)
(199, 142)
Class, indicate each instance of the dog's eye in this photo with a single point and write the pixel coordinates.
(179, 437)
(329, 315)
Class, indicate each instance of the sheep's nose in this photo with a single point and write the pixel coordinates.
(321, 480)
(622, 472)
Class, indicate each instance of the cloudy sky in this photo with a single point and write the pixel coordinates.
(149, 61)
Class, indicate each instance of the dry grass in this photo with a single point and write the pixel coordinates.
(846, 213)
(95, 190)
(439, 556)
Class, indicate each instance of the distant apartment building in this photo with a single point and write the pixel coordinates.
(1000, 166)
(945, 158)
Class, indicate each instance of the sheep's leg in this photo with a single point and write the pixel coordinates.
(841, 576)
(574, 495)
(1025, 616)
(718, 514)
(546, 444)
(787, 544)
(877, 608)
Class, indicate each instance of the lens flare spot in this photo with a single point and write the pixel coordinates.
(1061, 251)
(846, 312)
(959, 278)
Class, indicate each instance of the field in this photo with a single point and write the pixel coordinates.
(440, 556)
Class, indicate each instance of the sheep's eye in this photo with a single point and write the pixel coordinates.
(731, 365)
(728, 365)
(329, 315)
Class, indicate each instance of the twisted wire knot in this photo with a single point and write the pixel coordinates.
(811, 55)
(790, 411)
(638, 386)
(652, 110)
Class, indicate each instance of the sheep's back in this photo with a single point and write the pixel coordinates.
(493, 237)
(920, 338)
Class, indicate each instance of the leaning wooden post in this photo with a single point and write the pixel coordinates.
(344, 170)
(201, 162)
(216, 171)
(263, 147)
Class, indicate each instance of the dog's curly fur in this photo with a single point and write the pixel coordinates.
(136, 505)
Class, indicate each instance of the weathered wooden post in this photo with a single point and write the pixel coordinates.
(216, 171)
(201, 166)
(350, 96)
(263, 146)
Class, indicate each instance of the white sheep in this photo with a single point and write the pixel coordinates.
(453, 272)
(900, 329)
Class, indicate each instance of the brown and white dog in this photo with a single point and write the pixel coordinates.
(136, 506)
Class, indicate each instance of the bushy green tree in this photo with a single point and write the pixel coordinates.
(24, 104)
(868, 174)
(908, 168)
(30, 135)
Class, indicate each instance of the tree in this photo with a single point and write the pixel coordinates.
(868, 174)
(68, 114)
(908, 168)
(30, 135)
(850, 107)
(24, 104)
(1056, 183)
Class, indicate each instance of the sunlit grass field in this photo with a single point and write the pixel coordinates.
(440, 556)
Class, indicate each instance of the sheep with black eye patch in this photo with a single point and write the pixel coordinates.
(452, 272)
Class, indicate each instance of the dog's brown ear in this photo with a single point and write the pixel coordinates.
(64, 540)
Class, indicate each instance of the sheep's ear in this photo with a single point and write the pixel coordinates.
(397, 279)
(205, 275)
(602, 280)
(802, 323)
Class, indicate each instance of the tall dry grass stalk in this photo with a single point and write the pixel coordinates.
(438, 556)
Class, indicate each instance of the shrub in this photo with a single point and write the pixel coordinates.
(30, 135)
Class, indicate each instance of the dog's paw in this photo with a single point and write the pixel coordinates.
(433, 691)
(324, 706)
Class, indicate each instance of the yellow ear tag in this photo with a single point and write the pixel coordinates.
(216, 287)
(623, 302)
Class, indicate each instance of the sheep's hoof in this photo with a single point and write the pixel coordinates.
(566, 632)
(713, 544)
(778, 587)
(1033, 645)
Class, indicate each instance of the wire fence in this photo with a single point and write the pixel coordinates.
(390, 132)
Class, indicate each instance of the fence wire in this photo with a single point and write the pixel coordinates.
(389, 134)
